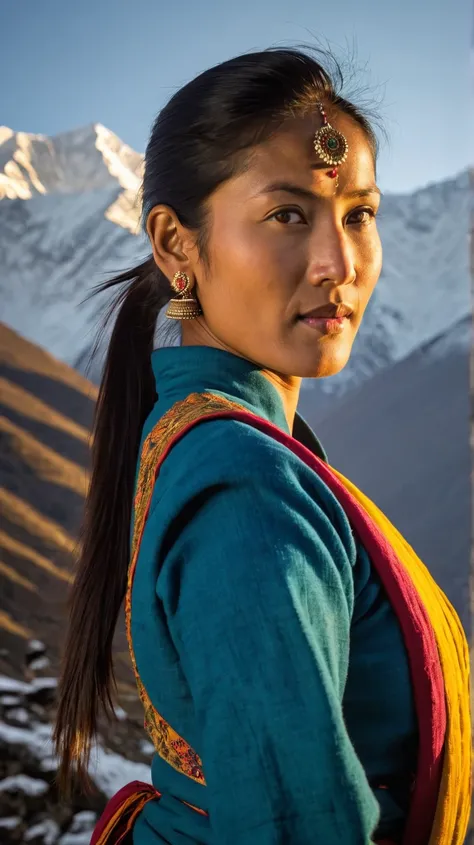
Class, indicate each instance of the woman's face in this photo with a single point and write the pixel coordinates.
(283, 243)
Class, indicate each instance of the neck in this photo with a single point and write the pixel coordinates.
(288, 388)
(194, 333)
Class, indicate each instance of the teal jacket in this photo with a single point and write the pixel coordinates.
(264, 637)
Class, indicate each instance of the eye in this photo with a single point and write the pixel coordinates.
(364, 215)
(287, 216)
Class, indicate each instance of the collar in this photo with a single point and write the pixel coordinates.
(181, 370)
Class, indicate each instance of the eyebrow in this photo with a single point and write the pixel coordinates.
(289, 188)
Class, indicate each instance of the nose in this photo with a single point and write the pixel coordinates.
(331, 258)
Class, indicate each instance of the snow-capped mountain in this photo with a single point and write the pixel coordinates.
(69, 219)
(73, 163)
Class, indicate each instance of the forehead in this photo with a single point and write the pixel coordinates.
(290, 152)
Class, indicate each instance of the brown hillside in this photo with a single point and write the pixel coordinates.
(46, 411)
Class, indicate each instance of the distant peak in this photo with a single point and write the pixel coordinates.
(21, 137)
(5, 134)
(87, 158)
(121, 160)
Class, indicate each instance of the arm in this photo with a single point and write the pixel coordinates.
(260, 611)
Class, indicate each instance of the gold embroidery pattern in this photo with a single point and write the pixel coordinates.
(168, 744)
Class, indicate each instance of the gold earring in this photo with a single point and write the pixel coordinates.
(182, 306)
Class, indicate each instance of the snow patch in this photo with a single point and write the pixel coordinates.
(11, 685)
(75, 839)
(39, 664)
(48, 830)
(110, 771)
(35, 645)
(85, 820)
(10, 822)
(120, 713)
(80, 829)
(25, 784)
(147, 747)
(39, 684)
(36, 739)
(5, 134)
(20, 715)
(122, 162)
(10, 700)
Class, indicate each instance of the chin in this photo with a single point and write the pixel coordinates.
(329, 362)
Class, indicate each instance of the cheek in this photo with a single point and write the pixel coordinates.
(371, 264)
(233, 250)
(251, 263)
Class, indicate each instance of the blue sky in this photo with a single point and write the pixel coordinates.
(66, 64)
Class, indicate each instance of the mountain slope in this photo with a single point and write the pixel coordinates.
(46, 411)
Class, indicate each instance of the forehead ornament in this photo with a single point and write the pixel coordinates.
(330, 145)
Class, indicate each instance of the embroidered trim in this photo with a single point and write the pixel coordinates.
(167, 742)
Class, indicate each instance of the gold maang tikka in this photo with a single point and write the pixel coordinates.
(330, 145)
(184, 306)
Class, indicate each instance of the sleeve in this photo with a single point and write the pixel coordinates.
(261, 612)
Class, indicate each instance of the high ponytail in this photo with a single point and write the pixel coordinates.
(199, 140)
(126, 397)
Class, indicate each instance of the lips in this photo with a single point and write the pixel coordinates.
(328, 311)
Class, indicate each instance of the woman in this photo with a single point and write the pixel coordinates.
(303, 678)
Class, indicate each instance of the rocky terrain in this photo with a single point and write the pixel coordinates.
(31, 809)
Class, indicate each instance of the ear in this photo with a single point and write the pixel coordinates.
(169, 241)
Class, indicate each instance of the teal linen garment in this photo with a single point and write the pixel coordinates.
(263, 636)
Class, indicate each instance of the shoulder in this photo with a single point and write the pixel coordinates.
(230, 450)
(235, 508)
(235, 458)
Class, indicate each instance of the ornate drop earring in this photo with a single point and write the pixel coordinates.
(184, 306)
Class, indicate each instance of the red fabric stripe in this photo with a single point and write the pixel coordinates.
(135, 787)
